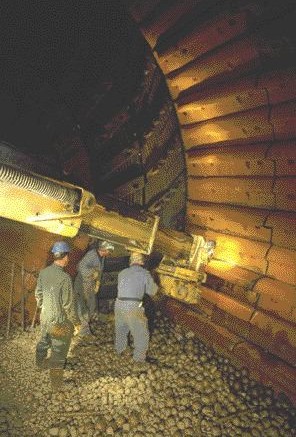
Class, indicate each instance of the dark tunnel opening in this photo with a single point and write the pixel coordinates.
(68, 67)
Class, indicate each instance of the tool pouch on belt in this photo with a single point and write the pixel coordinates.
(97, 286)
(97, 278)
(60, 330)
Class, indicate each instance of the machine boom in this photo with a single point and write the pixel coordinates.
(66, 209)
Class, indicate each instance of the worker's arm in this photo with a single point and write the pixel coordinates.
(68, 301)
(39, 291)
(150, 286)
(90, 265)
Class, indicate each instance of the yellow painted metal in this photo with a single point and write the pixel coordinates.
(66, 209)
(133, 234)
(181, 289)
(178, 272)
(42, 210)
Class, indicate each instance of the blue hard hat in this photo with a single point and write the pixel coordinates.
(60, 247)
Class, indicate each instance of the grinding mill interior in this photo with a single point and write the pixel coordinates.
(184, 110)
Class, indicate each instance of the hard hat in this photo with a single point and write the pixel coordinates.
(137, 258)
(105, 245)
(60, 247)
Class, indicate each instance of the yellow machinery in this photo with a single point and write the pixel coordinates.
(66, 210)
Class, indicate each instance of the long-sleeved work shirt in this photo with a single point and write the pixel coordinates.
(134, 282)
(54, 294)
(91, 263)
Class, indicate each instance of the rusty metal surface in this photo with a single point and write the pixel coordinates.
(159, 134)
(159, 182)
(235, 98)
(221, 159)
(250, 127)
(283, 225)
(276, 297)
(132, 192)
(283, 120)
(277, 336)
(234, 161)
(204, 39)
(278, 193)
(244, 222)
(164, 21)
(281, 264)
(283, 155)
(171, 205)
(237, 56)
(256, 192)
(284, 189)
(241, 252)
(222, 100)
(240, 95)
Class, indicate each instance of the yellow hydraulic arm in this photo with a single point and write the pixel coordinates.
(66, 209)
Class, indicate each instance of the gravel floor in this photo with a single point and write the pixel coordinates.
(189, 391)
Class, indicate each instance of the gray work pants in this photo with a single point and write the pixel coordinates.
(59, 347)
(86, 301)
(85, 296)
(131, 318)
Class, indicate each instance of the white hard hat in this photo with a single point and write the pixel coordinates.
(137, 258)
(105, 245)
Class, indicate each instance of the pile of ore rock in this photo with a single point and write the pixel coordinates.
(187, 390)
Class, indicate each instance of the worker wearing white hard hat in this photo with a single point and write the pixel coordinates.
(87, 283)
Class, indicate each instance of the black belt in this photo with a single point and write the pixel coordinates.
(133, 299)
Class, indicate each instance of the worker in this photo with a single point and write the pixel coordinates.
(87, 284)
(54, 295)
(133, 283)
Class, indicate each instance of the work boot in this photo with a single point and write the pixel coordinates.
(123, 354)
(42, 364)
(56, 379)
(151, 360)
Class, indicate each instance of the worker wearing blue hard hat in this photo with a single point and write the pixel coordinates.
(54, 295)
(60, 247)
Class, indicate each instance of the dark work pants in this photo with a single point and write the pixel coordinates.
(59, 347)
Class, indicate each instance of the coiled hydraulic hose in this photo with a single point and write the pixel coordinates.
(36, 184)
